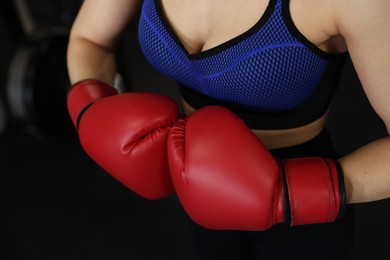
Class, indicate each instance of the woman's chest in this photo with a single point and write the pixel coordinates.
(202, 25)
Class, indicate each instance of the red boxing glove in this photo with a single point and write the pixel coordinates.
(226, 179)
(125, 134)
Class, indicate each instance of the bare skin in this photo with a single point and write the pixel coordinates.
(273, 139)
(357, 26)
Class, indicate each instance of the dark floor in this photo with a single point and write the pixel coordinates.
(55, 203)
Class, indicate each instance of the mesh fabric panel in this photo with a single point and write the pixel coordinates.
(269, 70)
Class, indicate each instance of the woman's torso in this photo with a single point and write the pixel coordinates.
(202, 27)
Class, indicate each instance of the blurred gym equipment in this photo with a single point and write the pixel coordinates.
(36, 78)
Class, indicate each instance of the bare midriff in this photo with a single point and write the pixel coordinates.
(281, 138)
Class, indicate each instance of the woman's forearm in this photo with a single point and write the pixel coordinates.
(89, 60)
(94, 36)
(367, 172)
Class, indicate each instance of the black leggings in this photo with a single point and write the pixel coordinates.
(319, 241)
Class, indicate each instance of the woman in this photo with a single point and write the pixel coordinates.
(274, 63)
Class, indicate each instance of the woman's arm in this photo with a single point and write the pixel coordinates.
(122, 133)
(94, 36)
(365, 24)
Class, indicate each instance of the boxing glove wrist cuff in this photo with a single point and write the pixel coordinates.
(316, 190)
(343, 193)
(83, 94)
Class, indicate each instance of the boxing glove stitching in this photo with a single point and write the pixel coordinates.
(331, 196)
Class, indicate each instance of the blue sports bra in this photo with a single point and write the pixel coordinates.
(271, 75)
